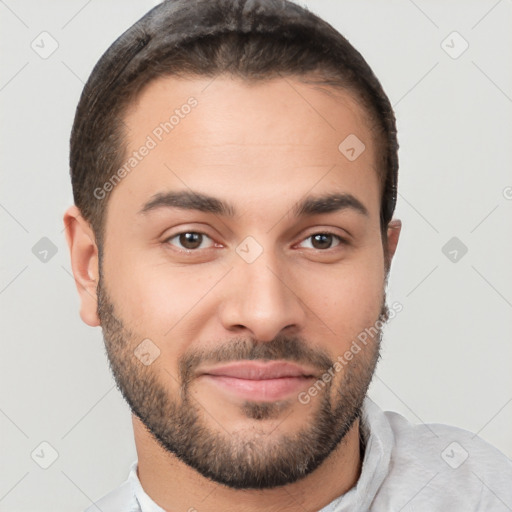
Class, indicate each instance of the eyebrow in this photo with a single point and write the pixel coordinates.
(312, 205)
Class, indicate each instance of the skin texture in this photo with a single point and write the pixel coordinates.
(262, 147)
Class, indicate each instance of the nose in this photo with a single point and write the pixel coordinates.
(260, 298)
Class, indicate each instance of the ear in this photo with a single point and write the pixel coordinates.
(84, 263)
(393, 232)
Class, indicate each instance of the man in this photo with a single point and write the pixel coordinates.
(234, 169)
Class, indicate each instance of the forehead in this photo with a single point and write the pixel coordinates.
(234, 139)
(230, 109)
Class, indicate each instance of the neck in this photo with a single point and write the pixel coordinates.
(175, 486)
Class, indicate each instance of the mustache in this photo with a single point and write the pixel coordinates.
(294, 349)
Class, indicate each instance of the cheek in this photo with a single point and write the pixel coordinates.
(164, 302)
(155, 297)
(139, 289)
(348, 298)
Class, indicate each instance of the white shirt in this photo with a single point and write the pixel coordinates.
(406, 467)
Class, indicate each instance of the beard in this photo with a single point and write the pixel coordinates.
(253, 458)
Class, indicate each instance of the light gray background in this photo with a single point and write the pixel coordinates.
(447, 356)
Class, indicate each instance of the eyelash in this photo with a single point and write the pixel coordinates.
(341, 240)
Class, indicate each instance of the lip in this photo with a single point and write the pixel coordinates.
(254, 370)
(269, 381)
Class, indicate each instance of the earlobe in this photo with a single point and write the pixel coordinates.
(394, 229)
(84, 263)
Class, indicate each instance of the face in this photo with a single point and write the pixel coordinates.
(242, 258)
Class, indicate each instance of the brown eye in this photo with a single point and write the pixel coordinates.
(324, 241)
(188, 240)
(321, 241)
(191, 240)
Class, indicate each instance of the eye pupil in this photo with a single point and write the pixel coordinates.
(191, 240)
(324, 239)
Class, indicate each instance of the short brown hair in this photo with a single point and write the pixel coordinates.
(250, 39)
